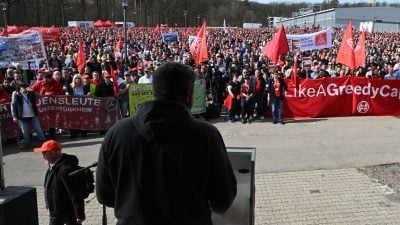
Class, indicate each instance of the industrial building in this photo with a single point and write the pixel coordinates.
(383, 19)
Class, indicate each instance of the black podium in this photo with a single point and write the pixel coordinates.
(18, 206)
(241, 211)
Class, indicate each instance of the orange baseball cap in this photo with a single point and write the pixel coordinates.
(48, 146)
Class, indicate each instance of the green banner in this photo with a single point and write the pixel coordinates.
(199, 101)
(138, 94)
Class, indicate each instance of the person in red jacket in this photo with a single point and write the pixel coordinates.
(49, 87)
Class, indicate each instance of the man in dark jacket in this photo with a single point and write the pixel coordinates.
(61, 191)
(163, 166)
(258, 85)
(276, 93)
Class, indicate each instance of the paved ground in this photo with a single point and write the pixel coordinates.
(305, 169)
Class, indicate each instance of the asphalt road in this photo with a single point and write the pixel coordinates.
(299, 145)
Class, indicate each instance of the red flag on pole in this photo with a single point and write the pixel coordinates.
(188, 31)
(359, 51)
(198, 48)
(157, 29)
(80, 62)
(277, 46)
(115, 81)
(118, 46)
(346, 52)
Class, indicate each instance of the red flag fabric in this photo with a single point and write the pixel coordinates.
(115, 81)
(346, 52)
(198, 48)
(118, 46)
(188, 31)
(228, 102)
(157, 29)
(80, 62)
(359, 51)
(294, 73)
(277, 46)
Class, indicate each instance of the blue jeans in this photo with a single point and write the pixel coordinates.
(261, 104)
(124, 106)
(232, 112)
(24, 125)
(277, 104)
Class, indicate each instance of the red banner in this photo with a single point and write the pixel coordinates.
(343, 96)
(67, 112)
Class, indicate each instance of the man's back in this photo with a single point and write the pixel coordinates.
(164, 167)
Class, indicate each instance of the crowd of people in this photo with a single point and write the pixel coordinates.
(236, 66)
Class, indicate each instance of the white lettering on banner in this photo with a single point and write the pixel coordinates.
(80, 101)
(335, 90)
(65, 109)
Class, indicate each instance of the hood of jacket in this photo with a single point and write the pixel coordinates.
(157, 120)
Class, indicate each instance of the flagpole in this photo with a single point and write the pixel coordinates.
(124, 6)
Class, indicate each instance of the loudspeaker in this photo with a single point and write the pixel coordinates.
(18, 206)
(241, 211)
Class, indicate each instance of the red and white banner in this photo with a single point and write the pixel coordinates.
(307, 42)
(67, 112)
(342, 96)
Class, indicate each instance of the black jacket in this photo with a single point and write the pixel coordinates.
(282, 88)
(105, 90)
(164, 167)
(17, 104)
(62, 191)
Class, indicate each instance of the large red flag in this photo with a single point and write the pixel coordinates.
(80, 62)
(359, 51)
(198, 48)
(277, 46)
(115, 81)
(346, 48)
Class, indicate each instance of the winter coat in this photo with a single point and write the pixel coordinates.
(164, 167)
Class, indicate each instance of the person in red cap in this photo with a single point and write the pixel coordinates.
(61, 191)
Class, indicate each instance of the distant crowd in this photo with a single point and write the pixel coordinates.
(237, 51)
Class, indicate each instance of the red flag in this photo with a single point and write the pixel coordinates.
(359, 51)
(198, 48)
(346, 53)
(228, 102)
(277, 46)
(80, 62)
(188, 31)
(294, 72)
(118, 46)
(115, 81)
(157, 29)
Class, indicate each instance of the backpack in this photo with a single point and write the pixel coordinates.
(85, 179)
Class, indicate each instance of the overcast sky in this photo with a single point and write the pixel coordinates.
(320, 1)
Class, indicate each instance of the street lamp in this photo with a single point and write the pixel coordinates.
(185, 14)
(124, 6)
(5, 14)
(198, 20)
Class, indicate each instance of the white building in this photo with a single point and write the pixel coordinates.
(384, 18)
